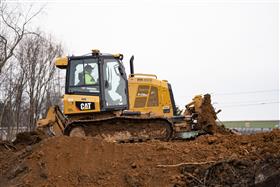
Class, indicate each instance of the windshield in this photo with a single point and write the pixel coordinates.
(84, 76)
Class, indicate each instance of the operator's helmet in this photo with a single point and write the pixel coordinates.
(88, 67)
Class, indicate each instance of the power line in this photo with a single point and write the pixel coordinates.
(244, 102)
(251, 104)
(248, 92)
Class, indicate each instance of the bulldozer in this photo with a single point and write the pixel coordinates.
(101, 101)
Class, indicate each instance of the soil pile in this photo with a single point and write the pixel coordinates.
(210, 160)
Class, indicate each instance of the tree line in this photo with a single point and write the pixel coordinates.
(29, 81)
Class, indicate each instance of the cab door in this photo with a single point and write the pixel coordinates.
(115, 85)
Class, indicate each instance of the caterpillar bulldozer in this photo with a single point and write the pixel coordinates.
(100, 100)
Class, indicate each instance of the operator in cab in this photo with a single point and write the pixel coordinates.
(88, 77)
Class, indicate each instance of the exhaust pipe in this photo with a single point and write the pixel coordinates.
(131, 65)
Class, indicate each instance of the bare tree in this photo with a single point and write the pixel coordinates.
(7, 117)
(13, 27)
(30, 84)
(37, 54)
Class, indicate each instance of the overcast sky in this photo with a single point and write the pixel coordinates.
(227, 48)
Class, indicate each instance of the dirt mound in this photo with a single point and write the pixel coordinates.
(211, 160)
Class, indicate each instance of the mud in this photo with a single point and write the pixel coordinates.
(210, 160)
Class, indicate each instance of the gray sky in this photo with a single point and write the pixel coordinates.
(228, 48)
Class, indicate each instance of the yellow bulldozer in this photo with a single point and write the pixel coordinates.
(101, 101)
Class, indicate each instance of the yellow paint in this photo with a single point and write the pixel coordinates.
(52, 120)
(95, 51)
(70, 103)
(164, 101)
(117, 55)
(61, 62)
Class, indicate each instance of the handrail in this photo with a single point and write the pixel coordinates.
(142, 74)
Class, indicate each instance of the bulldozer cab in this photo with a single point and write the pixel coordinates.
(100, 76)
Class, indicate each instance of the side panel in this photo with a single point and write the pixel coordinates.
(74, 104)
(149, 95)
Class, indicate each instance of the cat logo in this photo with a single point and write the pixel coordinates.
(85, 106)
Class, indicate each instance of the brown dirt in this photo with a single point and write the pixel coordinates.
(210, 160)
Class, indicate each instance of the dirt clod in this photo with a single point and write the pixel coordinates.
(29, 138)
(17, 170)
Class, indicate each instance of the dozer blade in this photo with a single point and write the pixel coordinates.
(54, 123)
(124, 129)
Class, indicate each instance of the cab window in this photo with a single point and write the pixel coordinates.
(84, 76)
(115, 83)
